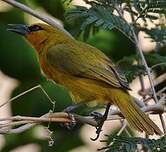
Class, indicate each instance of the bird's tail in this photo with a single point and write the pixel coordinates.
(136, 118)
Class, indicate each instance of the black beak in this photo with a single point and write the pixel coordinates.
(21, 29)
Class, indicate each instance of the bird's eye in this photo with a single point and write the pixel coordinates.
(34, 28)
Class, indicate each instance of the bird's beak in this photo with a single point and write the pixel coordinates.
(21, 29)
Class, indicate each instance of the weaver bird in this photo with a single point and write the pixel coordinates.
(85, 71)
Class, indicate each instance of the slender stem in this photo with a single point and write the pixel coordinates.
(159, 64)
(145, 64)
(123, 127)
(19, 95)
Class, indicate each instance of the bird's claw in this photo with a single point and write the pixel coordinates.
(69, 110)
(100, 120)
(97, 136)
(98, 117)
(98, 129)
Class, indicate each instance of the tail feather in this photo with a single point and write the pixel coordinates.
(132, 119)
(136, 118)
(141, 120)
(132, 123)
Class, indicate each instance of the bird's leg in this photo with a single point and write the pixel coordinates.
(101, 122)
(96, 115)
(69, 110)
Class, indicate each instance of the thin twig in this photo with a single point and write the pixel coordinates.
(61, 117)
(28, 91)
(142, 83)
(15, 123)
(159, 64)
(160, 79)
(124, 125)
(16, 97)
(161, 91)
(157, 81)
(21, 128)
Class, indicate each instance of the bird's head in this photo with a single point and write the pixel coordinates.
(36, 34)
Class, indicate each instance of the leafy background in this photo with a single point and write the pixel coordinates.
(18, 60)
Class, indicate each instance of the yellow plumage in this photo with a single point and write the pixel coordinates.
(87, 73)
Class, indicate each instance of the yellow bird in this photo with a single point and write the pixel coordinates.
(85, 71)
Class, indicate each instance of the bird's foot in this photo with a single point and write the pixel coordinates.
(100, 120)
(71, 124)
(69, 110)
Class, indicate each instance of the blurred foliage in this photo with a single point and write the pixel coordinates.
(126, 144)
(53, 7)
(131, 70)
(101, 14)
(108, 15)
(100, 28)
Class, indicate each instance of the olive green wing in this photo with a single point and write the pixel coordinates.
(85, 61)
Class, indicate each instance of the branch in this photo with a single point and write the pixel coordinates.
(159, 64)
(29, 122)
(18, 124)
(39, 15)
(160, 79)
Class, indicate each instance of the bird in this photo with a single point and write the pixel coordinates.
(85, 71)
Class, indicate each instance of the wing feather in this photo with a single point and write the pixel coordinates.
(89, 63)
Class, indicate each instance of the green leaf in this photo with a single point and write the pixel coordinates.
(98, 16)
(53, 7)
(129, 144)
(157, 34)
(154, 58)
(130, 70)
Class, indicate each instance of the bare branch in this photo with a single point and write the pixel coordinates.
(159, 64)
(20, 95)
(26, 122)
